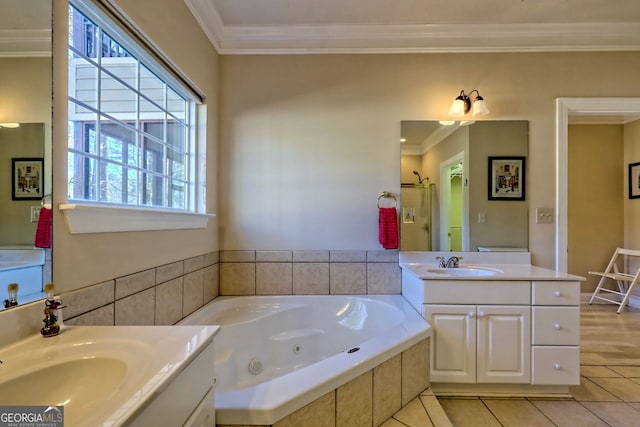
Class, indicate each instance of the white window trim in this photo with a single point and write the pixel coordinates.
(88, 218)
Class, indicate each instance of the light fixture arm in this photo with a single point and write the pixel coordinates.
(462, 104)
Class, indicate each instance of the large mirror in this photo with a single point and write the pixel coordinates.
(25, 143)
(463, 186)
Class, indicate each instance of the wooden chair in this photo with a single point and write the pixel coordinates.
(625, 279)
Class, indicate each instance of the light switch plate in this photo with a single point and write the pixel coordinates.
(544, 216)
(35, 213)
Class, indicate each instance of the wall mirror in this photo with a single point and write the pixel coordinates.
(25, 141)
(449, 173)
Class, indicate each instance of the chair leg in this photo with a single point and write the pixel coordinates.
(600, 283)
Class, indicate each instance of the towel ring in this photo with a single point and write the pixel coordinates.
(387, 195)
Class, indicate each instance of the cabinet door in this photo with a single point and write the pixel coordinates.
(504, 344)
(453, 343)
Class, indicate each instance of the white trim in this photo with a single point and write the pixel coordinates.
(564, 108)
(86, 218)
(371, 38)
(28, 43)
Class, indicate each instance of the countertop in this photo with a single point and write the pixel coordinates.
(501, 272)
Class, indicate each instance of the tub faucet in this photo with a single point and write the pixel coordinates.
(453, 262)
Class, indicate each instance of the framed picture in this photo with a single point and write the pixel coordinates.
(506, 178)
(634, 180)
(27, 179)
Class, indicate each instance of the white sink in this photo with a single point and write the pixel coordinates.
(101, 375)
(467, 271)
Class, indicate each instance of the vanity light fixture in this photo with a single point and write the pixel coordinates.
(462, 104)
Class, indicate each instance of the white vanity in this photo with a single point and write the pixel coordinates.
(500, 324)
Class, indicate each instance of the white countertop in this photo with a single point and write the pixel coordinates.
(503, 272)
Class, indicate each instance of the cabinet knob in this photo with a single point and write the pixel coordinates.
(557, 293)
(557, 326)
(482, 314)
(472, 314)
(557, 366)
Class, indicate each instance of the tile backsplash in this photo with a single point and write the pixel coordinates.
(165, 294)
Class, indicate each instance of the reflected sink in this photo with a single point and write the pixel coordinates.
(465, 271)
(101, 375)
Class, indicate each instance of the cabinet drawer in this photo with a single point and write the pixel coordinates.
(555, 293)
(555, 365)
(556, 326)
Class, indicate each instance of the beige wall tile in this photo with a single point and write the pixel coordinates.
(136, 282)
(310, 256)
(415, 370)
(354, 403)
(193, 292)
(167, 272)
(274, 278)
(384, 278)
(237, 256)
(211, 258)
(193, 264)
(169, 302)
(211, 282)
(348, 278)
(103, 316)
(311, 278)
(387, 389)
(87, 299)
(347, 256)
(382, 256)
(237, 278)
(137, 309)
(274, 256)
(322, 411)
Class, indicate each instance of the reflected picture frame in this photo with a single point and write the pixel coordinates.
(506, 178)
(634, 180)
(27, 178)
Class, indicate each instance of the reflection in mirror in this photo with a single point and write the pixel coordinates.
(25, 98)
(444, 200)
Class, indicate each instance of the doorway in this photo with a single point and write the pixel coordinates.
(453, 233)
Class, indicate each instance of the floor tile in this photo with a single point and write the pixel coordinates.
(468, 412)
(591, 392)
(391, 422)
(616, 414)
(414, 414)
(438, 416)
(623, 388)
(598, 371)
(568, 413)
(517, 413)
(627, 371)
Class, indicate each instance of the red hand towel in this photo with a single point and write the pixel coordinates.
(388, 228)
(43, 230)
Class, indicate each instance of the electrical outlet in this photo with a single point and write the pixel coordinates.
(35, 213)
(544, 216)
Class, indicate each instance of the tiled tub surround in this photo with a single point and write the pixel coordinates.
(276, 354)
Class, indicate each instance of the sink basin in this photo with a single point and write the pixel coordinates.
(464, 271)
(101, 375)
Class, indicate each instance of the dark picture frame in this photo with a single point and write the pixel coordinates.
(506, 178)
(27, 178)
(634, 180)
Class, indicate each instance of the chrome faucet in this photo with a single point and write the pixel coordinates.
(453, 262)
(441, 262)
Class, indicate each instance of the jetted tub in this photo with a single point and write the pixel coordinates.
(275, 354)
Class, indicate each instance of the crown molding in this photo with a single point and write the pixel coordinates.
(18, 43)
(305, 39)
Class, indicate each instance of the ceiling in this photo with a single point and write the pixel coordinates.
(385, 26)
(25, 28)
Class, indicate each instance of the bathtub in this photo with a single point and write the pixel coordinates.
(275, 354)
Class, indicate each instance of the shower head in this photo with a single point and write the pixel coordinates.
(420, 179)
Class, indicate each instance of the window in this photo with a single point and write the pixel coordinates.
(130, 138)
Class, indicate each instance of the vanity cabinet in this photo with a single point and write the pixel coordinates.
(480, 344)
(487, 334)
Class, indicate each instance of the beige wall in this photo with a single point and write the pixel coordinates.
(595, 199)
(309, 141)
(86, 259)
(631, 206)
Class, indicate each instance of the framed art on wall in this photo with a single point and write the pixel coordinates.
(27, 178)
(634, 180)
(506, 178)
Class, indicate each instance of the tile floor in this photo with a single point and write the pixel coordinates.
(609, 393)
